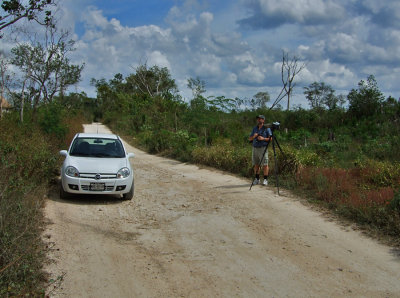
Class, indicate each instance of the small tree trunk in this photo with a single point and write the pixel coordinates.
(21, 112)
(176, 122)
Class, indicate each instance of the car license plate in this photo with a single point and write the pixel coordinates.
(97, 186)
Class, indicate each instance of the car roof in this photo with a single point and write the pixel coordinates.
(97, 135)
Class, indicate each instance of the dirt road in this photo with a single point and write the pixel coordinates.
(193, 232)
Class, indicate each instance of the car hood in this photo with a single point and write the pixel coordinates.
(97, 165)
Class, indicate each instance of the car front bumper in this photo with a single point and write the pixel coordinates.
(79, 185)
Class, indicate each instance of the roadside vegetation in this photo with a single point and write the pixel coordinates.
(342, 154)
(341, 157)
(29, 164)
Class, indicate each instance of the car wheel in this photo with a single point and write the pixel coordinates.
(129, 195)
(63, 194)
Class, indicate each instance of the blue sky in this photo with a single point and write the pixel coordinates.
(236, 46)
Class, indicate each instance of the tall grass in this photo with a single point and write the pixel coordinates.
(357, 194)
(367, 193)
(28, 162)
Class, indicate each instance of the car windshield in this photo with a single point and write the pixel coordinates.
(97, 147)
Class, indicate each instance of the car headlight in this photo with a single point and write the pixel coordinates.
(72, 172)
(123, 173)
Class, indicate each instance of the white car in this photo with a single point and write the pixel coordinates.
(97, 164)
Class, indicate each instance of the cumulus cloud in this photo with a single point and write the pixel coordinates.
(341, 41)
(383, 13)
(159, 59)
(333, 74)
(187, 47)
(271, 13)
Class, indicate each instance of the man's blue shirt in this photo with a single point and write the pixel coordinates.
(264, 132)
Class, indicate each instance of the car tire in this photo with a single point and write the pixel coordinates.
(129, 195)
(63, 194)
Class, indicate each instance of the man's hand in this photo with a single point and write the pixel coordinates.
(261, 138)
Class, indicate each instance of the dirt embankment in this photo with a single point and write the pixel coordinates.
(193, 232)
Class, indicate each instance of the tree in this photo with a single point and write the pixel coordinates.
(46, 64)
(154, 81)
(197, 86)
(261, 99)
(367, 100)
(289, 69)
(320, 95)
(15, 10)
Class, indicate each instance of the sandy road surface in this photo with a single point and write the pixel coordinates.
(193, 232)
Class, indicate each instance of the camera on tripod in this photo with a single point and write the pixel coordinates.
(273, 126)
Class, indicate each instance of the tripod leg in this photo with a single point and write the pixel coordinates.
(277, 143)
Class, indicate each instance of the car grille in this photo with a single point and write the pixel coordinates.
(108, 187)
(93, 176)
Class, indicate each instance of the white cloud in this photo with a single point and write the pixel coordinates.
(341, 42)
(344, 47)
(272, 13)
(159, 59)
(331, 73)
(302, 11)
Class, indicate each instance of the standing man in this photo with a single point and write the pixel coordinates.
(260, 136)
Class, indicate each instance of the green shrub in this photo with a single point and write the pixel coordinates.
(395, 202)
(379, 173)
(50, 120)
(224, 157)
(174, 144)
(28, 162)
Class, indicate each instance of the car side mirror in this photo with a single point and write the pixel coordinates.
(131, 155)
(64, 153)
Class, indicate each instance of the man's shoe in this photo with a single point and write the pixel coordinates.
(256, 181)
(265, 182)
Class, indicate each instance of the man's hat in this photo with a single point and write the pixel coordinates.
(261, 116)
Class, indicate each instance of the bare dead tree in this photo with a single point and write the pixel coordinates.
(289, 69)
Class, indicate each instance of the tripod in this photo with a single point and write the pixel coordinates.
(274, 141)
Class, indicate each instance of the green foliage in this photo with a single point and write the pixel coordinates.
(322, 96)
(395, 202)
(367, 100)
(260, 100)
(47, 67)
(379, 173)
(175, 144)
(197, 86)
(50, 120)
(16, 10)
(225, 157)
(154, 81)
(28, 162)
(346, 159)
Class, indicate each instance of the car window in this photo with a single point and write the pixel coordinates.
(97, 147)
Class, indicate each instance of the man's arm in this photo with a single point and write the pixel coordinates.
(253, 135)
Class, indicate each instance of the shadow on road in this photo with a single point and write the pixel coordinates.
(54, 195)
(234, 186)
(395, 251)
